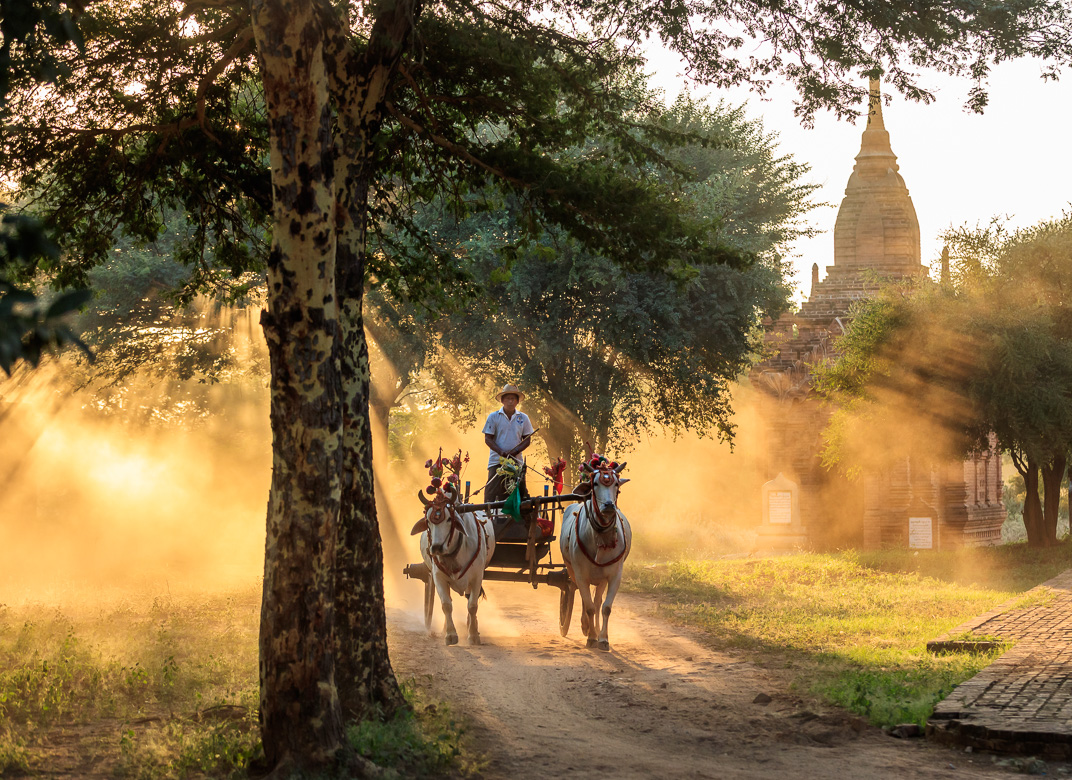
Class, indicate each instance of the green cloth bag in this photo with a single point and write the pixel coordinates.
(512, 506)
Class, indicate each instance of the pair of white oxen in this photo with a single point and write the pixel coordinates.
(595, 540)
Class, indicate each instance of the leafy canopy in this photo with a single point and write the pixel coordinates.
(604, 352)
(155, 105)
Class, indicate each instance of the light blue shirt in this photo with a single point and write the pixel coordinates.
(508, 433)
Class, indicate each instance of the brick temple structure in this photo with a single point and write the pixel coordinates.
(876, 242)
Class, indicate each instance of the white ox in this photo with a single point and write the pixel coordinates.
(595, 542)
(456, 549)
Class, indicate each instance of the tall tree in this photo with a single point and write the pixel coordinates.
(605, 353)
(379, 106)
(935, 371)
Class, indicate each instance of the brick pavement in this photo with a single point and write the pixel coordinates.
(1021, 703)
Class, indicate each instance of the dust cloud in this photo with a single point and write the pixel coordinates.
(149, 485)
(155, 484)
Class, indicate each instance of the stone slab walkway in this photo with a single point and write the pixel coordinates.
(1022, 703)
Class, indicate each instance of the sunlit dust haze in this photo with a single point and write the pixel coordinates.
(154, 484)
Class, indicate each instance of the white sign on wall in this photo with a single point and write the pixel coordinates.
(780, 506)
(921, 533)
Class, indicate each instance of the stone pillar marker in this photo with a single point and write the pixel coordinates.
(781, 528)
(923, 529)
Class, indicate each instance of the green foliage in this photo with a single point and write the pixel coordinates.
(30, 33)
(850, 627)
(606, 353)
(139, 320)
(419, 742)
(14, 758)
(143, 118)
(991, 354)
(177, 681)
(222, 742)
(92, 185)
(168, 689)
(30, 326)
(904, 694)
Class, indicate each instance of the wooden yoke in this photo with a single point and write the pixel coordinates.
(526, 504)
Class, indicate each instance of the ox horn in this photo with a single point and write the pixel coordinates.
(454, 493)
(619, 467)
(588, 468)
(423, 498)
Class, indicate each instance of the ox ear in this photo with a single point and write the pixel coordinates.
(622, 481)
(583, 489)
(420, 527)
(423, 498)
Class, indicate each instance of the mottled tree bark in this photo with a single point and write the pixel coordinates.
(366, 680)
(301, 722)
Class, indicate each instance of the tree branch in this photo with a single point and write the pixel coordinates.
(452, 147)
(1018, 462)
(241, 43)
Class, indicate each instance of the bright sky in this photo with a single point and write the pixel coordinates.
(959, 167)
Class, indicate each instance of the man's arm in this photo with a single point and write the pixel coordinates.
(489, 440)
(524, 445)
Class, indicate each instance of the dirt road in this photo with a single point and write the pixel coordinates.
(659, 705)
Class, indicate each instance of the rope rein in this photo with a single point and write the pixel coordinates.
(590, 509)
(455, 524)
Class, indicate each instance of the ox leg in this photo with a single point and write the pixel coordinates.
(585, 622)
(600, 590)
(474, 601)
(612, 591)
(588, 612)
(451, 633)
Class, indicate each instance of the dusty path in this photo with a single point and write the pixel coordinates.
(659, 705)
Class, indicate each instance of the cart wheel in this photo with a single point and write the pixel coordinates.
(565, 608)
(429, 602)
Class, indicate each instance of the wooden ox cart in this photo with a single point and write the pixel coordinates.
(522, 552)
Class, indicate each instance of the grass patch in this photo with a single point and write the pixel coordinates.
(14, 758)
(852, 627)
(167, 689)
(426, 740)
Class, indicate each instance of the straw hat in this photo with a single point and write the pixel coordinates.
(510, 389)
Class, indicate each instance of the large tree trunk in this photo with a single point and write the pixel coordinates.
(301, 722)
(1033, 520)
(1053, 474)
(367, 682)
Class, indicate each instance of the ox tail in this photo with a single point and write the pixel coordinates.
(483, 595)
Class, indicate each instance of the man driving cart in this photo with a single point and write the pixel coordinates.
(508, 433)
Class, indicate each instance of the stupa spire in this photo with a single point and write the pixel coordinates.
(876, 226)
(876, 156)
(874, 107)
